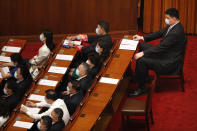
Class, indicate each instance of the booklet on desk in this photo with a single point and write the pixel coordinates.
(128, 44)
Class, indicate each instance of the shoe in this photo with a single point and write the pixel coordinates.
(138, 92)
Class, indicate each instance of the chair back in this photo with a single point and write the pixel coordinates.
(151, 90)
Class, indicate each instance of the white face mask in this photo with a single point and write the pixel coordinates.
(167, 21)
(88, 62)
(68, 89)
(38, 125)
(97, 50)
(77, 71)
(41, 38)
(5, 91)
(15, 75)
(97, 31)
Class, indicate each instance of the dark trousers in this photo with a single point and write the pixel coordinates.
(144, 64)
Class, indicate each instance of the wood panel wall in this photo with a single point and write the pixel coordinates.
(154, 13)
(27, 17)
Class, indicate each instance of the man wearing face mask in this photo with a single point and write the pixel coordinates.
(102, 33)
(51, 102)
(9, 94)
(166, 57)
(72, 97)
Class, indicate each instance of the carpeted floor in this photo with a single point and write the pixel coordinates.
(173, 110)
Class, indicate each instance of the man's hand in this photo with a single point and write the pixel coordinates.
(30, 104)
(65, 93)
(71, 37)
(23, 109)
(71, 44)
(139, 55)
(137, 37)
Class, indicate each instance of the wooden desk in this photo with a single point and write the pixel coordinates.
(103, 93)
(40, 89)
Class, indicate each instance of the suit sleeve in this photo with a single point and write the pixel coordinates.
(155, 35)
(162, 46)
(92, 38)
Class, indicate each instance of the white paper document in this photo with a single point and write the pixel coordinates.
(128, 44)
(5, 70)
(64, 57)
(5, 59)
(34, 110)
(47, 82)
(35, 97)
(11, 49)
(23, 124)
(74, 42)
(109, 80)
(58, 70)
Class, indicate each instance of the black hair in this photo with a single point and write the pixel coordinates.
(24, 71)
(16, 57)
(105, 46)
(59, 113)
(47, 121)
(172, 12)
(49, 39)
(94, 58)
(12, 85)
(4, 110)
(86, 66)
(104, 25)
(75, 85)
(51, 94)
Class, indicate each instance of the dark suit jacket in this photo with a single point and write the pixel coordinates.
(85, 83)
(23, 86)
(58, 126)
(170, 50)
(13, 101)
(73, 101)
(93, 42)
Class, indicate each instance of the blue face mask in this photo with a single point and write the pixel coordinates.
(167, 21)
(41, 37)
(97, 31)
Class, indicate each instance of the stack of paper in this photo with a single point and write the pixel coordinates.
(47, 82)
(58, 70)
(74, 42)
(109, 80)
(5, 59)
(5, 70)
(23, 124)
(11, 49)
(128, 44)
(35, 97)
(34, 110)
(64, 57)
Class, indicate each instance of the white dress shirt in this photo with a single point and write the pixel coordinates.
(3, 120)
(59, 103)
(42, 56)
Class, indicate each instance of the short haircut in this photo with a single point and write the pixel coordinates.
(12, 85)
(86, 66)
(75, 85)
(51, 94)
(16, 57)
(104, 25)
(94, 58)
(4, 110)
(47, 121)
(172, 12)
(59, 113)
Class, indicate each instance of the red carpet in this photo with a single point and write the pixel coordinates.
(173, 110)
